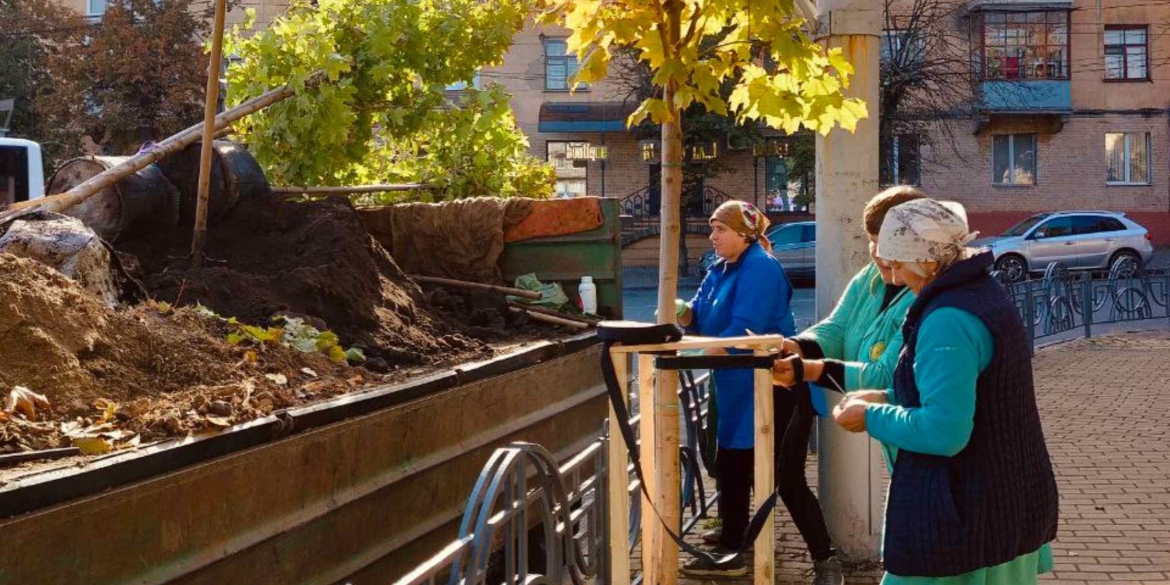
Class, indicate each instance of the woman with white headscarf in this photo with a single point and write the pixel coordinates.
(972, 495)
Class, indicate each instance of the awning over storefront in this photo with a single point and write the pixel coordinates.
(584, 116)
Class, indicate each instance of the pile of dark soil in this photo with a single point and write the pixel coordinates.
(316, 259)
(161, 372)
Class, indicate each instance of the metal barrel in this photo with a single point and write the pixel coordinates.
(140, 203)
(234, 174)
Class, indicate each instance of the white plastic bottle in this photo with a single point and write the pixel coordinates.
(588, 292)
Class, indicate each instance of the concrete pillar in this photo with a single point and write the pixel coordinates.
(850, 477)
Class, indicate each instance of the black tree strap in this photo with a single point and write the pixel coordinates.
(631, 333)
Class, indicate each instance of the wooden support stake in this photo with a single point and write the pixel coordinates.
(345, 191)
(516, 292)
(764, 562)
(587, 320)
(618, 493)
(205, 157)
(551, 319)
(648, 435)
(666, 411)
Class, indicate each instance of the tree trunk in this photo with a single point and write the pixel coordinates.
(666, 408)
(668, 252)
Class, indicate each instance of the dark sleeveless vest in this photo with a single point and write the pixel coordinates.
(996, 499)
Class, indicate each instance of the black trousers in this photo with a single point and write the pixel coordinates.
(794, 414)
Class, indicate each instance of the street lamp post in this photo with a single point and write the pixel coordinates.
(756, 180)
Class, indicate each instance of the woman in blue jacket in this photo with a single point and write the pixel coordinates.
(745, 290)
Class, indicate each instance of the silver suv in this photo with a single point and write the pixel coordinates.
(1081, 240)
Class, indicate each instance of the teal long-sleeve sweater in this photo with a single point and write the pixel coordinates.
(859, 333)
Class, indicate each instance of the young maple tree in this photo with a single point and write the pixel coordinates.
(136, 75)
(781, 77)
(382, 113)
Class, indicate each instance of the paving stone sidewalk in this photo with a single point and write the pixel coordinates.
(1105, 404)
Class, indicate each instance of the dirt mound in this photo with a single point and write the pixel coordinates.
(270, 256)
(166, 372)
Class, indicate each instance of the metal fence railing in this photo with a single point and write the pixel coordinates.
(1064, 305)
(524, 502)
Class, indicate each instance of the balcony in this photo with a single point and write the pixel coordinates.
(1040, 96)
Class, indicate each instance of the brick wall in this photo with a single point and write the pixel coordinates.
(645, 252)
(1070, 168)
(266, 10)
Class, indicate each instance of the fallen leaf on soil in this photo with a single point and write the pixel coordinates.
(309, 372)
(92, 445)
(108, 409)
(26, 402)
(278, 379)
(219, 421)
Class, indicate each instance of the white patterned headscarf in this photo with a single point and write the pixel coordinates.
(925, 230)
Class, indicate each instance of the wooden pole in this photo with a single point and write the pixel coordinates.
(647, 436)
(516, 292)
(764, 559)
(209, 106)
(551, 319)
(554, 313)
(666, 411)
(618, 484)
(350, 190)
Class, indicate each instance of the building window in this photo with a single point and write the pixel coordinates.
(905, 46)
(1126, 53)
(559, 67)
(777, 198)
(1128, 157)
(571, 174)
(95, 7)
(1014, 159)
(901, 164)
(1025, 45)
(462, 85)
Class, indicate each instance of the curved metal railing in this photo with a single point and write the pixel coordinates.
(523, 502)
(1062, 301)
(642, 205)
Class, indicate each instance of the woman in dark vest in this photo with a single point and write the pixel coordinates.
(972, 495)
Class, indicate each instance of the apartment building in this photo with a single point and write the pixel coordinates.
(1069, 108)
(583, 133)
(266, 10)
(1072, 112)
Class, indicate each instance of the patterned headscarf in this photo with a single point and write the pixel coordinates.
(744, 219)
(925, 230)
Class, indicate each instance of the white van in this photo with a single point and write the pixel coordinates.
(22, 174)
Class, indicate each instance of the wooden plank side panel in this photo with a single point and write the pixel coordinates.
(314, 507)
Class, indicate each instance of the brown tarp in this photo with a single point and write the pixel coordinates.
(460, 239)
(557, 217)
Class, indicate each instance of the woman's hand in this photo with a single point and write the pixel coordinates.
(870, 396)
(784, 372)
(682, 310)
(850, 414)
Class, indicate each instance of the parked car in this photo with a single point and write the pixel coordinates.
(794, 244)
(1081, 240)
